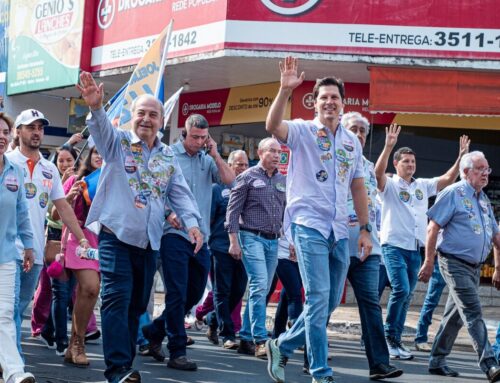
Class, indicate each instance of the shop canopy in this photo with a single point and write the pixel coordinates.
(432, 91)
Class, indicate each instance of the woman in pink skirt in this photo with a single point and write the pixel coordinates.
(86, 271)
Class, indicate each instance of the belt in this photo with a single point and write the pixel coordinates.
(450, 256)
(262, 234)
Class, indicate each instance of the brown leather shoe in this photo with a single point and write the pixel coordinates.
(260, 351)
(76, 352)
(246, 347)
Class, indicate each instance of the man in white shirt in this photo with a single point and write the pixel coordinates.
(403, 228)
(42, 183)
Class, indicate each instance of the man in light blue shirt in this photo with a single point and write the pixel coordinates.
(185, 269)
(462, 228)
(139, 174)
(326, 161)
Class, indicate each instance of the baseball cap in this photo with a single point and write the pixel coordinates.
(27, 116)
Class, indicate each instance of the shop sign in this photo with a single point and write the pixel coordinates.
(125, 29)
(240, 105)
(398, 28)
(45, 44)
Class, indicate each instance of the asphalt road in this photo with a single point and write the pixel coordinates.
(216, 365)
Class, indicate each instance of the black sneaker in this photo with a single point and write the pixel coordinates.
(154, 345)
(384, 371)
(144, 350)
(48, 341)
(61, 348)
(246, 347)
(93, 335)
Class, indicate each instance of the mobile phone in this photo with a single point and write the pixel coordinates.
(206, 147)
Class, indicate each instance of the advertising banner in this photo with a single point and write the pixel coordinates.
(240, 105)
(125, 29)
(4, 17)
(45, 44)
(419, 28)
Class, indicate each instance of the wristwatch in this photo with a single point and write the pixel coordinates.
(366, 227)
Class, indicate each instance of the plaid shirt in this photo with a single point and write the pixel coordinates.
(257, 202)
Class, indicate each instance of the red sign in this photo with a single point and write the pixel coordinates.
(420, 28)
(356, 100)
(125, 29)
(210, 104)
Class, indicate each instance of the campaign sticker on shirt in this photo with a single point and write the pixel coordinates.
(404, 196)
(419, 194)
(43, 199)
(258, 184)
(373, 216)
(489, 231)
(146, 176)
(476, 228)
(321, 133)
(155, 192)
(125, 143)
(484, 205)
(171, 170)
(467, 203)
(472, 215)
(47, 174)
(136, 148)
(30, 190)
(280, 187)
(352, 220)
(461, 191)
(348, 145)
(130, 164)
(145, 189)
(322, 176)
(134, 184)
(140, 201)
(11, 183)
(324, 143)
(326, 157)
(225, 193)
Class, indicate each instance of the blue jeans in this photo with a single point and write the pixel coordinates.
(434, 291)
(383, 280)
(290, 305)
(260, 258)
(229, 284)
(323, 265)
(402, 267)
(24, 288)
(126, 280)
(496, 346)
(364, 278)
(186, 277)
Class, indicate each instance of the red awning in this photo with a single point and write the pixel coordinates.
(406, 90)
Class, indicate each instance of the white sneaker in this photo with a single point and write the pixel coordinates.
(397, 350)
(424, 347)
(324, 379)
(25, 377)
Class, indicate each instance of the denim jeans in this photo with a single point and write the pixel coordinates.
(25, 288)
(186, 276)
(364, 278)
(383, 280)
(58, 319)
(10, 358)
(229, 284)
(126, 280)
(323, 265)
(290, 303)
(402, 268)
(260, 258)
(463, 306)
(496, 346)
(434, 291)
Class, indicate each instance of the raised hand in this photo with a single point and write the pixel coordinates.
(91, 92)
(289, 78)
(391, 135)
(464, 145)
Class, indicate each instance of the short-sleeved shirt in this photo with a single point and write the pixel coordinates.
(257, 201)
(373, 208)
(467, 221)
(14, 219)
(200, 173)
(41, 185)
(321, 169)
(134, 185)
(219, 239)
(404, 222)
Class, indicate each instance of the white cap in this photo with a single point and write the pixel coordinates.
(27, 116)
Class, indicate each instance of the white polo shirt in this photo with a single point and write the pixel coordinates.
(404, 208)
(41, 186)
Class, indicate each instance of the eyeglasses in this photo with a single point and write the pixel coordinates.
(483, 170)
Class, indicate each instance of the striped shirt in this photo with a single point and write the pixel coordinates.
(257, 201)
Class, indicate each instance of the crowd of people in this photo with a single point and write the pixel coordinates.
(74, 230)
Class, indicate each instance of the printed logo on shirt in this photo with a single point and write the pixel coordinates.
(225, 193)
(404, 196)
(280, 187)
(30, 190)
(324, 143)
(258, 184)
(130, 164)
(11, 183)
(322, 176)
(43, 199)
(140, 201)
(348, 145)
(419, 194)
(47, 174)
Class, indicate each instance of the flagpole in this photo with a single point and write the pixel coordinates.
(164, 58)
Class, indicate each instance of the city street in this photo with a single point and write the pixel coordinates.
(216, 365)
